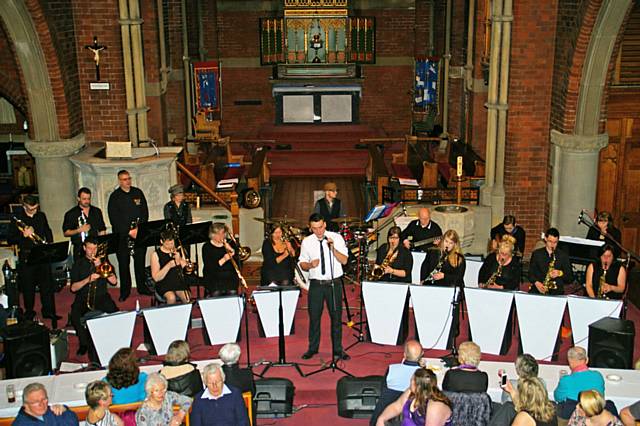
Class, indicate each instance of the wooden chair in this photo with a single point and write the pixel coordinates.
(205, 129)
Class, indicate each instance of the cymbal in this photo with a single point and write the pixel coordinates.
(282, 220)
(347, 219)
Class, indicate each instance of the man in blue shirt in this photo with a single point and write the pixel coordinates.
(581, 378)
(36, 411)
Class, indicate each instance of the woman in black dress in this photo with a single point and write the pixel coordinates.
(604, 225)
(508, 276)
(609, 270)
(399, 270)
(166, 270)
(278, 259)
(220, 277)
(445, 265)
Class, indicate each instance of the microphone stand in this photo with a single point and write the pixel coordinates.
(451, 360)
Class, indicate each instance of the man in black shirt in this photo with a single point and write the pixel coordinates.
(35, 227)
(82, 221)
(90, 289)
(559, 273)
(420, 230)
(509, 227)
(330, 207)
(127, 208)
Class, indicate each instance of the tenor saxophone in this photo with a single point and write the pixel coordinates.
(377, 272)
(601, 283)
(550, 283)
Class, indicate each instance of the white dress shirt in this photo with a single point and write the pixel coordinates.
(310, 250)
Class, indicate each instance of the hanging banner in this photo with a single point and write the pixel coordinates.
(426, 83)
(206, 76)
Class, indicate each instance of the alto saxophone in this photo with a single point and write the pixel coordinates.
(437, 269)
(601, 283)
(377, 272)
(497, 274)
(550, 283)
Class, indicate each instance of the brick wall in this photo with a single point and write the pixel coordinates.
(10, 74)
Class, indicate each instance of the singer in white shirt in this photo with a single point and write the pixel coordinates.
(323, 253)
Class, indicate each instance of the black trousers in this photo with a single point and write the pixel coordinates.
(124, 275)
(79, 309)
(28, 277)
(332, 294)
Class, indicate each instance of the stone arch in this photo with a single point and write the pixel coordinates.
(12, 92)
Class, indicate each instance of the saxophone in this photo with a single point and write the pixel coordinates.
(497, 274)
(601, 283)
(550, 283)
(377, 272)
(430, 279)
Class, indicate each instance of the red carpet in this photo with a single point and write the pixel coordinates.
(316, 393)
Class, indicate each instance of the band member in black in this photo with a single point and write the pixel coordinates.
(606, 277)
(128, 208)
(549, 265)
(323, 253)
(416, 234)
(445, 265)
(177, 210)
(166, 270)
(220, 276)
(330, 207)
(501, 270)
(401, 261)
(604, 225)
(509, 227)
(278, 257)
(82, 221)
(29, 228)
(90, 289)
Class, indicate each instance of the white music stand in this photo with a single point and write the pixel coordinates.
(432, 312)
(111, 332)
(539, 319)
(418, 258)
(384, 303)
(166, 324)
(222, 317)
(268, 304)
(488, 316)
(584, 311)
(471, 273)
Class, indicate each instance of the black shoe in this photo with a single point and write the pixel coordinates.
(82, 350)
(342, 355)
(52, 317)
(309, 354)
(123, 298)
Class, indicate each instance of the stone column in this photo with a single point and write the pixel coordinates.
(55, 178)
(575, 179)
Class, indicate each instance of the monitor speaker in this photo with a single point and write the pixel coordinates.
(274, 398)
(27, 350)
(611, 343)
(357, 396)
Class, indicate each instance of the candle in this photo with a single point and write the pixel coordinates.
(459, 168)
(198, 202)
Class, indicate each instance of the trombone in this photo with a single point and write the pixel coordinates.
(33, 237)
(240, 254)
(190, 267)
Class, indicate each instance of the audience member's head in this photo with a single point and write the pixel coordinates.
(591, 402)
(123, 369)
(178, 353)
(98, 393)
(526, 366)
(155, 387)
(576, 357)
(424, 388)
(413, 351)
(213, 378)
(230, 353)
(469, 354)
(533, 399)
(35, 400)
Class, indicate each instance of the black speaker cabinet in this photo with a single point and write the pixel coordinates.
(611, 343)
(357, 396)
(274, 398)
(27, 350)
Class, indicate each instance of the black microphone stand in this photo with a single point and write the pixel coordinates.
(333, 366)
(451, 360)
(362, 271)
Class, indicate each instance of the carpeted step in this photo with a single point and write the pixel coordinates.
(318, 163)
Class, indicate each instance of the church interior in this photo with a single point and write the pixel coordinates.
(479, 110)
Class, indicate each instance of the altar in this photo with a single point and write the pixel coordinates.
(322, 103)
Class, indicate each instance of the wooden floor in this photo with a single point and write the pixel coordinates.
(293, 197)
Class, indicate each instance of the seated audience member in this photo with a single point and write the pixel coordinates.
(532, 403)
(35, 409)
(466, 377)
(218, 404)
(182, 376)
(631, 414)
(580, 379)
(125, 377)
(157, 408)
(590, 411)
(398, 377)
(98, 396)
(526, 367)
(422, 404)
(240, 378)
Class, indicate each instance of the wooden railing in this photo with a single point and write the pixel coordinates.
(376, 171)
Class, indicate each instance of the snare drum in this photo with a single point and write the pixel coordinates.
(346, 233)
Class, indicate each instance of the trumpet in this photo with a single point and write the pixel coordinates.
(33, 237)
(233, 261)
(377, 272)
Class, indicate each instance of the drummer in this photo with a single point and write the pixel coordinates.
(420, 231)
(330, 207)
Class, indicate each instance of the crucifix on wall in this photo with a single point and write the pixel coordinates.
(96, 49)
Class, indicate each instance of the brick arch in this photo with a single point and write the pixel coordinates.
(12, 92)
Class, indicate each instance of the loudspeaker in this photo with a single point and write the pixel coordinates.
(611, 343)
(27, 350)
(357, 396)
(274, 398)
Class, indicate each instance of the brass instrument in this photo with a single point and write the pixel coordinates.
(131, 242)
(377, 272)
(190, 267)
(550, 283)
(497, 274)
(34, 237)
(288, 235)
(244, 252)
(430, 279)
(233, 261)
(601, 283)
(82, 220)
(104, 269)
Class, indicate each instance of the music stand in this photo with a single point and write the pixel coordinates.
(194, 234)
(149, 233)
(282, 357)
(46, 254)
(110, 241)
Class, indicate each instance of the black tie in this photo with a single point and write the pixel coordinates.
(322, 267)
